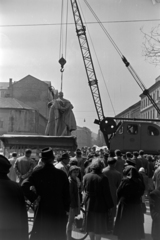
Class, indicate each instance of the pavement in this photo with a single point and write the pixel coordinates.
(147, 227)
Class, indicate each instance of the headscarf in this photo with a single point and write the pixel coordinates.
(131, 173)
(4, 165)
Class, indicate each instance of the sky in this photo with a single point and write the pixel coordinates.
(30, 44)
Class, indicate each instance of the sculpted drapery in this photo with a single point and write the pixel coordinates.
(61, 121)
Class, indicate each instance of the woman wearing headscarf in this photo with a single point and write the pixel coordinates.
(13, 214)
(130, 219)
(97, 200)
(155, 206)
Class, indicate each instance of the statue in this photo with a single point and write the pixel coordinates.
(61, 121)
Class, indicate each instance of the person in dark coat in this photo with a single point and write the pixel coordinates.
(130, 219)
(52, 187)
(97, 200)
(155, 207)
(114, 178)
(13, 214)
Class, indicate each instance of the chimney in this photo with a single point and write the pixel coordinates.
(10, 88)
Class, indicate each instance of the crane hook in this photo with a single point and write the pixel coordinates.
(62, 62)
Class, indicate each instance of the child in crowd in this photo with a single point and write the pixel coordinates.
(74, 198)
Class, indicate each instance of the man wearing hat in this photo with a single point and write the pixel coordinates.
(63, 163)
(52, 187)
(13, 214)
(114, 178)
(120, 162)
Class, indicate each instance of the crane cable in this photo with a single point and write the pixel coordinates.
(125, 61)
(130, 68)
(99, 64)
(63, 42)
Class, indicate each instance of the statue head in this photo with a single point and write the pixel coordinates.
(60, 94)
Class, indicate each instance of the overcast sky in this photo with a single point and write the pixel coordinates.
(30, 45)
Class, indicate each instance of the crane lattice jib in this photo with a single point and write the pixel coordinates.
(87, 59)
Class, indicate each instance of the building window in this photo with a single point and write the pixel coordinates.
(153, 114)
(154, 96)
(1, 123)
(157, 94)
(132, 129)
(153, 131)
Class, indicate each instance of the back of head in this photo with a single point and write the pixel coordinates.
(118, 153)
(97, 165)
(28, 152)
(135, 154)
(141, 152)
(14, 154)
(4, 165)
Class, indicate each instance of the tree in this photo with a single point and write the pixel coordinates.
(151, 45)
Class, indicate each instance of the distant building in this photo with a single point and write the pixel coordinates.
(33, 92)
(131, 112)
(18, 118)
(144, 108)
(83, 136)
(147, 109)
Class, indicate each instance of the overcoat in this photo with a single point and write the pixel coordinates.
(97, 200)
(52, 186)
(155, 213)
(130, 218)
(13, 214)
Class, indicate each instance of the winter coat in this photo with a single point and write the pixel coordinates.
(13, 214)
(129, 219)
(155, 213)
(52, 186)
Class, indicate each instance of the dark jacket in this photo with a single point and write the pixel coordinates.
(155, 213)
(52, 186)
(13, 214)
(129, 219)
(97, 192)
(73, 193)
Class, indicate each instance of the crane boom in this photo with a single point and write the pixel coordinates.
(87, 59)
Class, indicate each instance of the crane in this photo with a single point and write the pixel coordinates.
(107, 125)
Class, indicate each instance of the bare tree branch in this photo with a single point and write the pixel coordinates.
(151, 45)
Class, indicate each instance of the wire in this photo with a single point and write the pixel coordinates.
(70, 23)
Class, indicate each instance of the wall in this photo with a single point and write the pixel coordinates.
(20, 121)
(32, 92)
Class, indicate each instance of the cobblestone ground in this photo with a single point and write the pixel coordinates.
(147, 225)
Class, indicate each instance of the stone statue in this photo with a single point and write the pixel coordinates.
(61, 121)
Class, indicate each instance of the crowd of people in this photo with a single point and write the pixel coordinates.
(112, 187)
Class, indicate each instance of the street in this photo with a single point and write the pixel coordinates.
(147, 226)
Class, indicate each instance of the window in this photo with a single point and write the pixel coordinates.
(1, 123)
(132, 129)
(157, 94)
(153, 131)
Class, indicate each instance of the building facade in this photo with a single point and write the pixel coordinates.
(144, 108)
(18, 118)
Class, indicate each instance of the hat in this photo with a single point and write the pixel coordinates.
(47, 154)
(4, 164)
(111, 160)
(72, 168)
